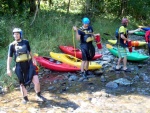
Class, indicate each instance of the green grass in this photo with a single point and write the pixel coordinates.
(49, 30)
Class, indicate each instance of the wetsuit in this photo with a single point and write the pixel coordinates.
(24, 70)
(87, 48)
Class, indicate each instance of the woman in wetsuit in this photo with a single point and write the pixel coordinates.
(25, 70)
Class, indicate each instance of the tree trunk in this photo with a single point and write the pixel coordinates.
(68, 6)
(20, 4)
(50, 3)
(39, 1)
(32, 6)
(124, 7)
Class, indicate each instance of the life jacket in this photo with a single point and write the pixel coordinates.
(120, 41)
(88, 35)
(22, 53)
(147, 36)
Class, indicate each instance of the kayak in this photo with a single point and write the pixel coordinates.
(71, 60)
(55, 65)
(76, 52)
(139, 33)
(133, 43)
(146, 28)
(133, 56)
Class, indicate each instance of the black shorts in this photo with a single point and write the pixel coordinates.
(88, 51)
(25, 71)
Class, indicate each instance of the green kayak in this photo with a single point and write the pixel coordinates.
(133, 56)
(140, 33)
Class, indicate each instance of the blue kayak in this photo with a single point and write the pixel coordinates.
(146, 28)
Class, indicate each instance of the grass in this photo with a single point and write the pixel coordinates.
(49, 30)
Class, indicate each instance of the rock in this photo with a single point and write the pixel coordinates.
(112, 85)
(98, 72)
(51, 88)
(136, 78)
(106, 58)
(104, 62)
(103, 79)
(122, 81)
(73, 78)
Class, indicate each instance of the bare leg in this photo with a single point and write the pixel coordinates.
(36, 83)
(125, 63)
(24, 94)
(86, 65)
(118, 63)
(23, 90)
(83, 65)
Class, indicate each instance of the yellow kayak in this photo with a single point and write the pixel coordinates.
(68, 59)
(134, 43)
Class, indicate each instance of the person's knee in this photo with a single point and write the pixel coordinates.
(21, 85)
(36, 80)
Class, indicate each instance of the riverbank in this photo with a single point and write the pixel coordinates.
(106, 91)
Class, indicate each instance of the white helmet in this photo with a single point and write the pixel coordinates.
(18, 30)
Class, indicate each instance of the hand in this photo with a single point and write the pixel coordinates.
(9, 72)
(34, 61)
(96, 34)
(74, 28)
(139, 29)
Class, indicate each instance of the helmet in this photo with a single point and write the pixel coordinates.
(18, 30)
(124, 21)
(85, 20)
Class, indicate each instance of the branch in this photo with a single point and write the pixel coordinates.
(37, 8)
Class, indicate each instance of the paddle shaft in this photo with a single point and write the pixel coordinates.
(109, 35)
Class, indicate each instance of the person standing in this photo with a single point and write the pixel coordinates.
(122, 44)
(86, 37)
(24, 69)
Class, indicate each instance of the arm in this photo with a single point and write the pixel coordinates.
(123, 37)
(96, 34)
(33, 60)
(76, 31)
(9, 59)
(132, 31)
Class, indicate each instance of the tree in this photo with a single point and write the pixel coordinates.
(32, 6)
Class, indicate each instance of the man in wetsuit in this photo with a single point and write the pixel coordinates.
(122, 44)
(85, 35)
(25, 70)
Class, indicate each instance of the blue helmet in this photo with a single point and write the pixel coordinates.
(18, 30)
(85, 20)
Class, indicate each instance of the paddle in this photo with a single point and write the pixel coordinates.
(141, 26)
(109, 35)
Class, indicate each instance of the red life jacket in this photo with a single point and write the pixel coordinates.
(147, 36)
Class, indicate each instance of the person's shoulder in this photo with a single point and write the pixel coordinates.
(25, 40)
(121, 27)
(90, 27)
(80, 28)
(13, 43)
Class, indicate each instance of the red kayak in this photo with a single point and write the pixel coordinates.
(76, 52)
(54, 65)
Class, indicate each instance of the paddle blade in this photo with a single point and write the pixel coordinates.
(109, 46)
